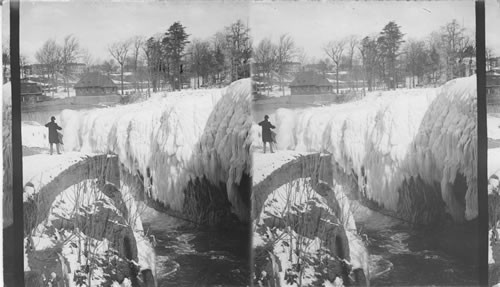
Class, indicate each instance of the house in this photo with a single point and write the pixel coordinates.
(493, 86)
(492, 63)
(31, 92)
(95, 84)
(310, 83)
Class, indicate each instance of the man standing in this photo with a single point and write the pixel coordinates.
(53, 134)
(266, 133)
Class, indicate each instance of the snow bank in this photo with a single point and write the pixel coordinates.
(34, 134)
(40, 169)
(493, 161)
(173, 138)
(393, 136)
(493, 125)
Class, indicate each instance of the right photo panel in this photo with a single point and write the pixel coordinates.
(492, 54)
(365, 144)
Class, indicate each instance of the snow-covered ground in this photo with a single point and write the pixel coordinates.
(34, 135)
(493, 161)
(493, 126)
(41, 168)
(392, 136)
(265, 164)
(174, 137)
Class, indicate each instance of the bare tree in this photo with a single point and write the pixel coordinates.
(456, 45)
(490, 58)
(238, 48)
(49, 56)
(352, 42)
(86, 59)
(119, 51)
(334, 50)
(436, 57)
(201, 60)
(301, 56)
(69, 54)
(221, 55)
(23, 62)
(265, 56)
(137, 42)
(285, 53)
(416, 59)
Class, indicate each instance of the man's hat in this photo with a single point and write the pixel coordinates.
(266, 117)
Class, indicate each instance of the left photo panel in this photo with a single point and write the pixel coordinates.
(136, 122)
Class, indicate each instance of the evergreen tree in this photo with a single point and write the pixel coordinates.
(174, 42)
(389, 42)
(371, 58)
(152, 50)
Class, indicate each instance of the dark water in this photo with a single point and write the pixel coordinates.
(399, 256)
(188, 256)
(402, 257)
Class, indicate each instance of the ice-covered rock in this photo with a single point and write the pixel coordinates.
(390, 137)
(174, 139)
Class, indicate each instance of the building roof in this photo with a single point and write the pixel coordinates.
(28, 89)
(309, 78)
(95, 80)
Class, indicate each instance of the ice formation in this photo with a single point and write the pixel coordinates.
(173, 138)
(395, 135)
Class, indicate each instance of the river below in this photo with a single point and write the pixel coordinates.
(402, 256)
(194, 256)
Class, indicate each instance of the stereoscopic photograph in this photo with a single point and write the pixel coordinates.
(249, 143)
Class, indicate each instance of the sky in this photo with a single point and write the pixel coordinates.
(310, 24)
(97, 24)
(492, 22)
(314, 24)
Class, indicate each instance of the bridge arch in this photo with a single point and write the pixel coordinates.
(41, 190)
(122, 188)
(319, 168)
